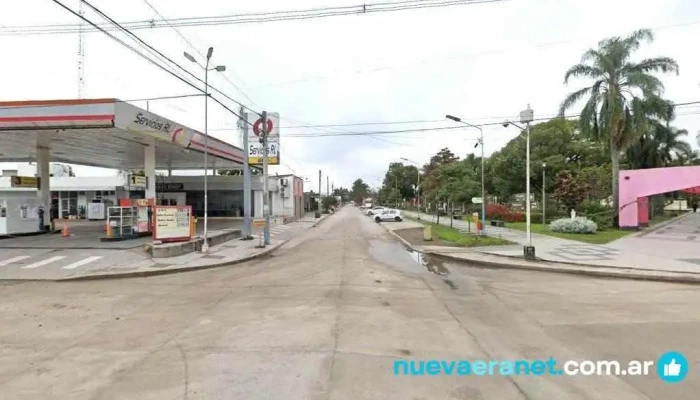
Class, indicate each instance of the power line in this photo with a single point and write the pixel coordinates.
(146, 57)
(105, 16)
(193, 47)
(127, 46)
(246, 18)
(309, 126)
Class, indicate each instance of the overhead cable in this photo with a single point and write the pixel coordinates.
(247, 18)
(149, 59)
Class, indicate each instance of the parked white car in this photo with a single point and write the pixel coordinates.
(375, 210)
(388, 214)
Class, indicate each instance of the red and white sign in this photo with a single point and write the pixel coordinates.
(273, 124)
(257, 126)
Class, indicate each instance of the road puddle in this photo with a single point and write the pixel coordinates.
(395, 255)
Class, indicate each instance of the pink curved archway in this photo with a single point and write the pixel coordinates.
(636, 185)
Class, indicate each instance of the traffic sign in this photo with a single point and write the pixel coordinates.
(477, 200)
(258, 223)
(257, 126)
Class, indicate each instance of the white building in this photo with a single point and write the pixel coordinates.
(70, 195)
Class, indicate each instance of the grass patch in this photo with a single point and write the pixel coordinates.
(600, 237)
(465, 240)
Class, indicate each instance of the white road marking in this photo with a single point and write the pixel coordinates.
(82, 262)
(43, 262)
(11, 260)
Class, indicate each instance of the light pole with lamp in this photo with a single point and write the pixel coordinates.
(544, 181)
(483, 185)
(219, 68)
(417, 184)
(526, 117)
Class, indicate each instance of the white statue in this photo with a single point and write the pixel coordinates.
(573, 213)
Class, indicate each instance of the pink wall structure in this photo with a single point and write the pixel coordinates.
(636, 185)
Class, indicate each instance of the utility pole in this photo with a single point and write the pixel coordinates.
(544, 181)
(328, 186)
(266, 196)
(318, 205)
(247, 223)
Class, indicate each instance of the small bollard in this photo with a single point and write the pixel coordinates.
(428, 233)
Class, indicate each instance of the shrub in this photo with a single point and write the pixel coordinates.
(497, 211)
(576, 225)
(589, 208)
(514, 217)
(536, 217)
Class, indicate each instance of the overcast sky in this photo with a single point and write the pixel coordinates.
(483, 62)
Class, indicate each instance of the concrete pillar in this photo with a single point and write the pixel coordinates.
(149, 168)
(258, 201)
(643, 211)
(43, 156)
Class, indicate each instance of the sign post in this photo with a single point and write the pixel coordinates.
(255, 147)
(266, 198)
(246, 179)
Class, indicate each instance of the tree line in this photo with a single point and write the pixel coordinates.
(624, 123)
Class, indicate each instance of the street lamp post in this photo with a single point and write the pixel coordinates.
(544, 208)
(526, 117)
(219, 68)
(483, 185)
(417, 184)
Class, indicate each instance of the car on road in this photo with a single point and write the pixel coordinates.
(388, 214)
(375, 210)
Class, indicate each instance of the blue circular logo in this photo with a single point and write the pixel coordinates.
(672, 367)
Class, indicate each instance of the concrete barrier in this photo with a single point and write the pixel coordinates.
(177, 249)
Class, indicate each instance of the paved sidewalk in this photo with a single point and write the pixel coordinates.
(62, 264)
(656, 251)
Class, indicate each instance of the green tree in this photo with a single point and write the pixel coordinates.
(623, 96)
(342, 192)
(569, 191)
(660, 146)
(401, 178)
(430, 181)
(555, 143)
(360, 191)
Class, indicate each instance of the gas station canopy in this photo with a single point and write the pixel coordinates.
(108, 133)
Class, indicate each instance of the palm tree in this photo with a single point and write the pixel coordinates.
(622, 98)
(671, 143)
(661, 146)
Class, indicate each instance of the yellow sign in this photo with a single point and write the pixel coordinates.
(172, 223)
(259, 160)
(259, 223)
(24, 182)
(138, 181)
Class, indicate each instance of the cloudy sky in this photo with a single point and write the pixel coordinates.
(483, 62)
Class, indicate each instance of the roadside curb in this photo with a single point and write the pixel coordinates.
(403, 241)
(562, 268)
(323, 218)
(596, 271)
(141, 274)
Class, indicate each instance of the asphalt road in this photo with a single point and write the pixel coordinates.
(326, 317)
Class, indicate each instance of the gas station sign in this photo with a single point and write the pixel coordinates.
(255, 148)
(137, 181)
(134, 119)
(24, 182)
